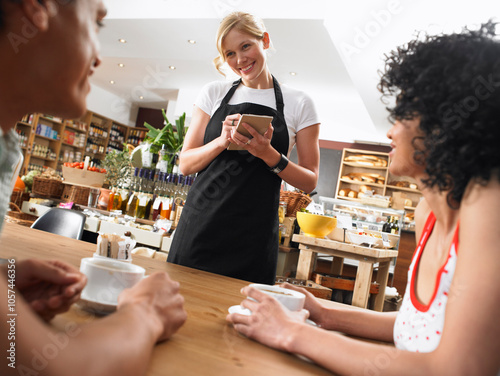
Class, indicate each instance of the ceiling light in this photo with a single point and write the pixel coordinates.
(112, 82)
(172, 67)
(121, 65)
(293, 73)
(191, 41)
(141, 97)
(121, 40)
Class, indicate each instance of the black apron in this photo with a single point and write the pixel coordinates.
(229, 224)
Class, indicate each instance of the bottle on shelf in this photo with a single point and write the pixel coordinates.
(395, 228)
(111, 198)
(133, 200)
(158, 197)
(149, 192)
(387, 225)
(143, 196)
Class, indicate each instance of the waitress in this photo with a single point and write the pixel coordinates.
(229, 224)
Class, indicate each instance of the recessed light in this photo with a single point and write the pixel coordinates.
(293, 73)
(172, 67)
(121, 40)
(141, 97)
(191, 41)
(121, 65)
(112, 82)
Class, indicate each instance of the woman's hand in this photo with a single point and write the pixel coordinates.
(228, 127)
(316, 310)
(270, 323)
(159, 296)
(50, 287)
(257, 145)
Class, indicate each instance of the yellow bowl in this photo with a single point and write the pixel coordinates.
(316, 225)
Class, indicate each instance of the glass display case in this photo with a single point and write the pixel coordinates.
(363, 224)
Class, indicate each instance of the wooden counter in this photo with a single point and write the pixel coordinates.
(205, 345)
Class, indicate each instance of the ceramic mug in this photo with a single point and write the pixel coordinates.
(107, 278)
(291, 299)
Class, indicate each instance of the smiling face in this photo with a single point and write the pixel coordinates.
(74, 53)
(402, 134)
(65, 53)
(246, 56)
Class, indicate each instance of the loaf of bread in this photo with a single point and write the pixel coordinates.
(363, 188)
(366, 160)
(352, 194)
(344, 192)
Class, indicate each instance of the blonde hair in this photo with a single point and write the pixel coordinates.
(243, 22)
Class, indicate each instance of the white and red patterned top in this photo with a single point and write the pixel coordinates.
(418, 327)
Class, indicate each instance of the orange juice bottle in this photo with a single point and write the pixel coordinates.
(110, 200)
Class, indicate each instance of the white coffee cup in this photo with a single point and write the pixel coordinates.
(107, 278)
(293, 300)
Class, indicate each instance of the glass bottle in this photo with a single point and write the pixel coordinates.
(395, 228)
(158, 199)
(134, 200)
(166, 201)
(111, 198)
(149, 193)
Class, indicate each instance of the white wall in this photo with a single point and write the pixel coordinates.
(111, 106)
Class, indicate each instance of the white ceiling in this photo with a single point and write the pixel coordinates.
(335, 47)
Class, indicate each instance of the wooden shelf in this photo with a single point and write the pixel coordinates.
(403, 189)
(43, 159)
(385, 189)
(73, 146)
(362, 183)
(353, 164)
(47, 138)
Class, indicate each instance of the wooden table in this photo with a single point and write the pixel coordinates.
(367, 257)
(205, 345)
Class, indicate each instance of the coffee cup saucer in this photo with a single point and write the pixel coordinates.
(245, 311)
(94, 306)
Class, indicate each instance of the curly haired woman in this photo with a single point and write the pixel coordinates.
(446, 135)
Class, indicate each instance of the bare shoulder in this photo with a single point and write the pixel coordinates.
(481, 201)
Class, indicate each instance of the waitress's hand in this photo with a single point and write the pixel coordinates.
(258, 145)
(228, 126)
(270, 323)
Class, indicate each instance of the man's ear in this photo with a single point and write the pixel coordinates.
(39, 12)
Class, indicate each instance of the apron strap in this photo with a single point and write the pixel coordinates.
(231, 91)
(279, 96)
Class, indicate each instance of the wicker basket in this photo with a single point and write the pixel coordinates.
(18, 197)
(294, 201)
(17, 216)
(76, 194)
(47, 187)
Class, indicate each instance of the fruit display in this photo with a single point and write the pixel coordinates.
(81, 165)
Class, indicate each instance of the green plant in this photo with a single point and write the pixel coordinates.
(118, 167)
(172, 139)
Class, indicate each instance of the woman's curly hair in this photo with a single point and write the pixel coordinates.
(452, 83)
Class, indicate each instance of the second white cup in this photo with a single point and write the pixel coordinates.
(108, 278)
(291, 299)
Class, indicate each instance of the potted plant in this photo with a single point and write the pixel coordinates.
(118, 167)
(168, 139)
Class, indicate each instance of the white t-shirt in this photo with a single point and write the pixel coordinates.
(299, 109)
